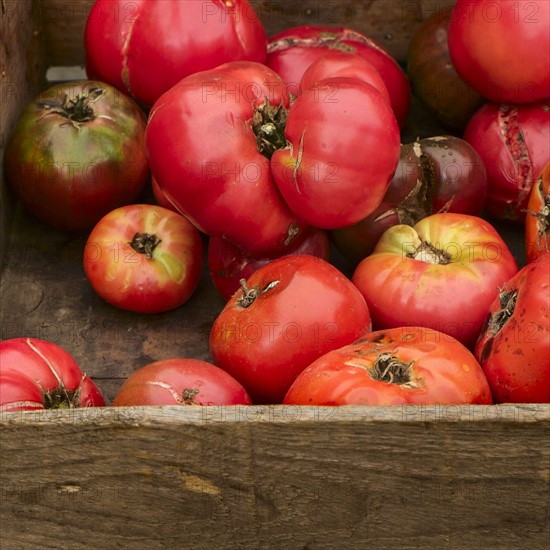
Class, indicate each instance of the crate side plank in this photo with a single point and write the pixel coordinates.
(360, 476)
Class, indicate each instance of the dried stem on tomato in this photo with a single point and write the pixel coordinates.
(390, 369)
(268, 124)
(145, 243)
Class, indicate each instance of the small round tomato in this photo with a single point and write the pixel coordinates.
(514, 345)
(343, 148)
(293, 50)
(76, 152)
(433, 77)
(287, 313)
(144, 258)
(228, 264)
(36, 374)
(393, 367)
(181, 381)
(537, 222)
(501, 48)
(337, 64)
(442, 274)
(513, 142)
(441, 173)
(144, 47)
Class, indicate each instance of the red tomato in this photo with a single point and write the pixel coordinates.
(433, 76)
(537, 223)
(393, 367)
(344, 146)
(181, 381)
(501, 48)
(514, 345)
(514, 144)
(160, 197)
(215, 167)
(228, 264)
(340, 64)
(290, 311)
(145, 47)
(76, 152)
(36, 374)
(442, 274)
(292, 51)
(144, 258)
(433, 174)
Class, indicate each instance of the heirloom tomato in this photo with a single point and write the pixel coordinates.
(144, 47)
(501, 48)
(338, 64)
(343, 149)
(36, 374)
(209, 141)
(181, 381)
(292, 51)
(393, 367)
(433, 77)
(286, 314)
(537, 222)
(441, 274)
(144, 258)
(442, 173)
(514, 345)
(513, 142)
(228, 264)
(76, 152)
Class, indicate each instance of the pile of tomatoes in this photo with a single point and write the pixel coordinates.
(277, 151)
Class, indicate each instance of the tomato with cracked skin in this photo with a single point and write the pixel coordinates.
(442, 273)
(396, 366)
(36, 374)
(440, 173)
(287, 313)
(144, 47)
(180, 381)
(513, 142)
(293, 50)
(514, 345)
(343, 149)
(144, 258)
(215, 168)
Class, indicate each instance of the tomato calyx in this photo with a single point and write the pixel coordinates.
(188, 396)
(77, 110)
(250, 294)
(268, 124)
(428, 253)
(390, 369)
(145, 243)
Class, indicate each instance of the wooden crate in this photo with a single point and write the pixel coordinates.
(233, 477)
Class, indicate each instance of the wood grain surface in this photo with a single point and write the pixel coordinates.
(277, 477)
